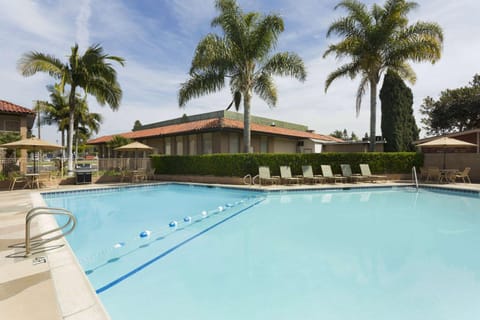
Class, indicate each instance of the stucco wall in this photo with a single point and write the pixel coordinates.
(284, 145)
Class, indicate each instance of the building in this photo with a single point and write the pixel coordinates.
(221, 132)
(17, 120)
(472, 136)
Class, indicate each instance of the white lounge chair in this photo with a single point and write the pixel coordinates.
(309, 176)
(365, 170)
(264, 176)
(347, 172)
(328, 174)
(286, 175)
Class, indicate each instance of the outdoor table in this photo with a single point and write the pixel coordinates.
(448, 175)
(32, 180)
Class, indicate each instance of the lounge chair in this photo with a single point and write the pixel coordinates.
(310, 177)
(463, 175)
(347, 172)
(286, 175)
(365, 170)
(328, 174)
(264, 176)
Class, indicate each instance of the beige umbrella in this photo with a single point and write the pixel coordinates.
(446, 143)
(135, 146)
(33, 144)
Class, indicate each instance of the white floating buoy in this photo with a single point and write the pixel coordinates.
(187, 219)
(145, 234)
(220, 209)
(229, 205)
(119, 245)
(204, 214)
(173, 224)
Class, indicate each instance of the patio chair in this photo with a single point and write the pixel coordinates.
(16, 177)
(328, 174)
(463, 175)
(433, 174)
(286, 175)
(264, 176)
(310, 177)
(347, 172)
(44, 178)
(365, 170)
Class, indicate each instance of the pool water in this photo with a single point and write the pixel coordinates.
(354, 254)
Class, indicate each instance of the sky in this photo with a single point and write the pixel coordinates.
(158, 38)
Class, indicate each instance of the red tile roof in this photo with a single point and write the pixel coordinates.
(204, 125)
(9, 107)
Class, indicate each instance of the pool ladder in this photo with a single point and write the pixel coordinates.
(414, 176)
(249, 180)
(39, 240)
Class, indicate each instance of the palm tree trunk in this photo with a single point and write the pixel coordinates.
(246, 123)
(373, 114)
(71, 102)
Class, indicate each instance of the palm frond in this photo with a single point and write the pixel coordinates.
(198, 85)
(265, 35)
(350, 69)
(265, 88)
(33, 62)
(105, 92)
(286, 64)
(360, 93)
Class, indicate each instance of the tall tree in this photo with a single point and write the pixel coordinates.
(243, 55)
(398, 122)
(92, 72)
(379, 39)
(456, 110)
(137, 125)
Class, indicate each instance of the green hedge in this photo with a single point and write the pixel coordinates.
(238, 165)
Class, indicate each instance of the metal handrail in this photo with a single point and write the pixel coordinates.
(414, 176)
(247, 177)
(36, 241)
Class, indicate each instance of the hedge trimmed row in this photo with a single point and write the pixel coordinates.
(239, 165)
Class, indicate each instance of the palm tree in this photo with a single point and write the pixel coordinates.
(55, 111)
(242, 55)
(92, 72)
(378, 40)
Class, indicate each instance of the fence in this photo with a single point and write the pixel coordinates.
(117, 164)
(455, 161)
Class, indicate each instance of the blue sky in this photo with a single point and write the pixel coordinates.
(158, 37)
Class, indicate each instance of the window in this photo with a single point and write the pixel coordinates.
(168, 146)
(263, 144)
(179, 146)
(192, 145)
(207, 143)
(233, 143)
(12, 125)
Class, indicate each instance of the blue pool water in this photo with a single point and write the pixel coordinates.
(351, 254)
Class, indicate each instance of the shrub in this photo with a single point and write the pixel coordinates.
(238, 165)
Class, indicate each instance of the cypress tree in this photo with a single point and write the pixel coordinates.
(398, 123)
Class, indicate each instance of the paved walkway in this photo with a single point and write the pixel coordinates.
(56, 287)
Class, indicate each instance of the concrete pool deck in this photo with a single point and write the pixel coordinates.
(56, 287)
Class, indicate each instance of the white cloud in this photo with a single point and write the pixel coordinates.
(83, 35)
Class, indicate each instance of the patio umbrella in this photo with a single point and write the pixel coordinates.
(446, 143)
(33, 144)
(135, 146)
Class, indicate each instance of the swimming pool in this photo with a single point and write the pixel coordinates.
(387, 253)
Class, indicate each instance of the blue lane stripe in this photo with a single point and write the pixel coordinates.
(165, 253)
